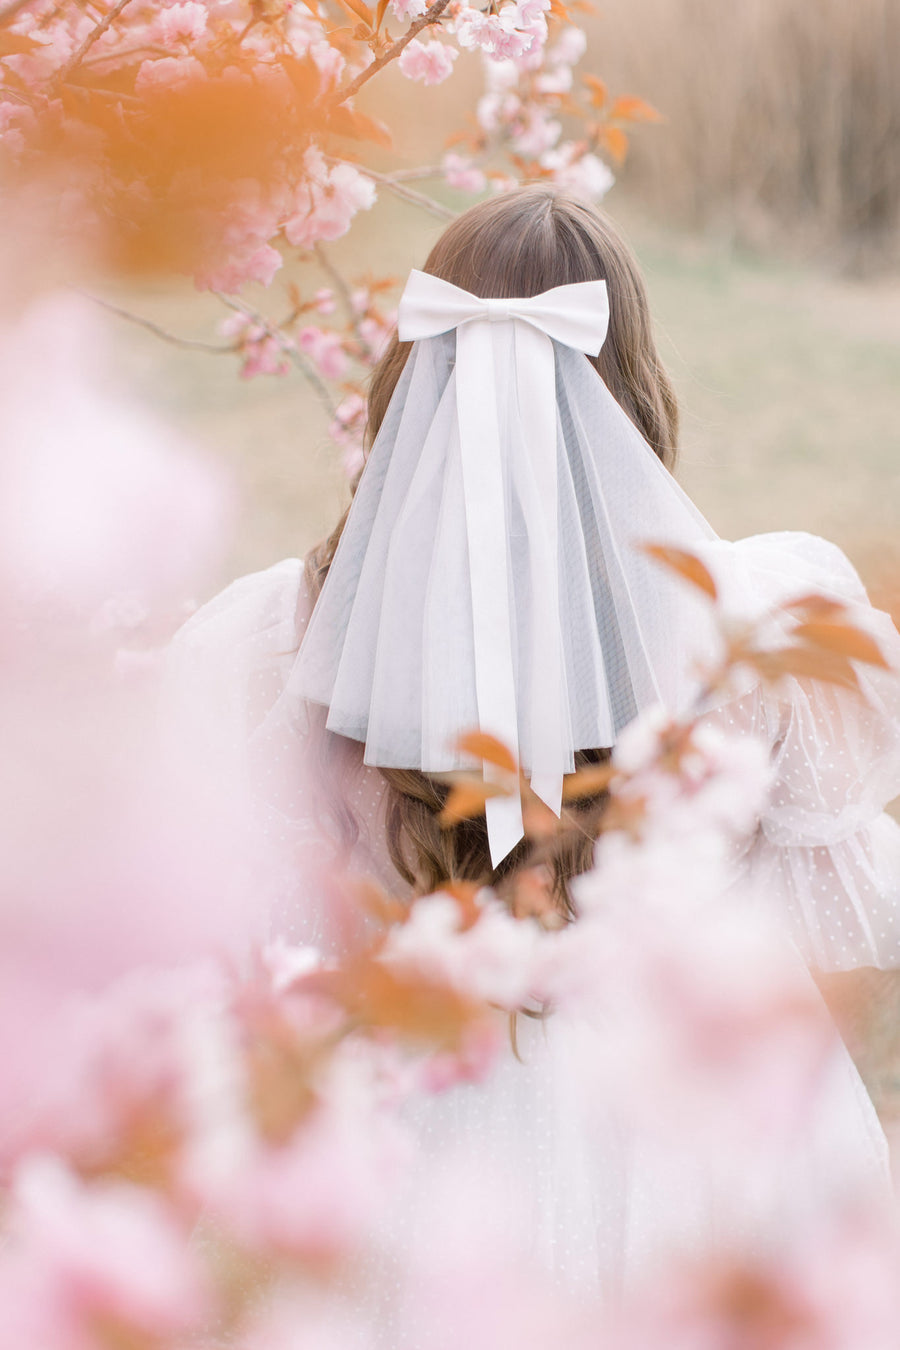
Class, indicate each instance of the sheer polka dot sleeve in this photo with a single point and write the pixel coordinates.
(825, 851)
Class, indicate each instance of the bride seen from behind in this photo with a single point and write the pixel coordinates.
(487, 575)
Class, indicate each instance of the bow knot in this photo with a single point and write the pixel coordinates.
(498, 310)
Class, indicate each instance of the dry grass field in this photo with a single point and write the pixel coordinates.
(789, 380)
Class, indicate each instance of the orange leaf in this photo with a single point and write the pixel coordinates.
(805, 663)
(380, 12)
(385, 908)
(687, 565)
(360, 9)
(16, 44)
(467, 799)
(616, 142)
(465, 893)
(481, 745)
(418, 1007)
(587, 782)
(634, 110)
(627, 814)
(559, 11)
(597, 89)
(538, 821)
(816, 606)
(844, 639)
(348, 122)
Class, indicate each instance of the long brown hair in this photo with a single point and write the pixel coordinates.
(518, 244)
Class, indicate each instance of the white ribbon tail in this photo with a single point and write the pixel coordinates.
(486, 534)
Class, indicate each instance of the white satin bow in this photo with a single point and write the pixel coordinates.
(576, 316)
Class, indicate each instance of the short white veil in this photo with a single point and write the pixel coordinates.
(597, 630)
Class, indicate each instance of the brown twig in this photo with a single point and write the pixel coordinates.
(120, 52)
(346, 91)
(17, 95)
(191, 344)
(416, 175)
(339, 285)
(406, 194)
(76, 59)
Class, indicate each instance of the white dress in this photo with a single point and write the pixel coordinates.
(824, 852)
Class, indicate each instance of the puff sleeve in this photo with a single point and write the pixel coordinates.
(825, 852)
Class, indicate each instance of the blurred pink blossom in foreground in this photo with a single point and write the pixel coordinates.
(209, 1139)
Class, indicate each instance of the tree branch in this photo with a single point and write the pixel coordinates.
(407, 194)
(338, 283)
(306, 368)
(430, 16)
(191, 344)
(76, 59)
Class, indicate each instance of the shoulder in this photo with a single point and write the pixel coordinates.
(764, 570)
(232, 658)
(256, 603)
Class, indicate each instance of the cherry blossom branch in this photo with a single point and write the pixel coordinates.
(152, 49)
(76, 59)
(338, 282)
(17, 95)
(415, 175)
(348, 90)
(190, 344)
(400, 190)
(285, 345)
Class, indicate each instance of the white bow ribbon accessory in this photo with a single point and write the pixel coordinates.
(487, 575)
(577, 316)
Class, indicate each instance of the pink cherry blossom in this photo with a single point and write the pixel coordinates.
(405, 10)
(326, 201)
(346, 430)
(462, 174)
(168, 72)
(569, 47)
(262, 352)
(325, 350)
(536, 133)
(376, 335)
(324, 301)
(584, 174)
(246, 261)
(179, 23)
(499, 36)
(237, 237)
(493, 960)
(330, 62)
(106, 1251)
(316, 1196)
(101, 490)
(17, 120)
(307, 1319)
(428, 62)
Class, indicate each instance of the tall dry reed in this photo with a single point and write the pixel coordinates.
(783, 116)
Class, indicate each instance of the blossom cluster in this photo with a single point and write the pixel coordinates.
(209, 1136)
(220, 139)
